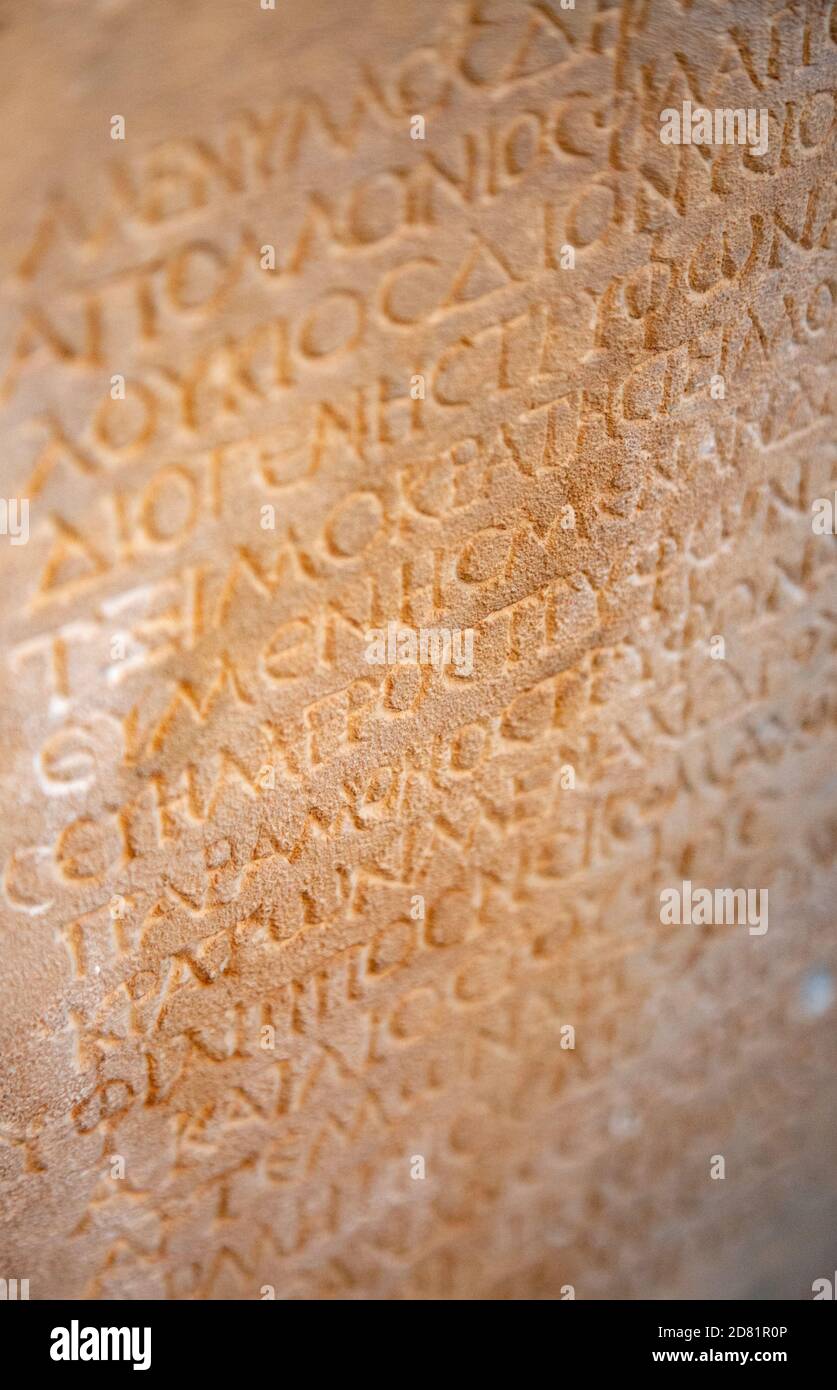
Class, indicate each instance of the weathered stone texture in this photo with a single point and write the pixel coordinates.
(219, 820)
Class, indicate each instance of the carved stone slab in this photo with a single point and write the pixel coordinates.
(417, 568)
